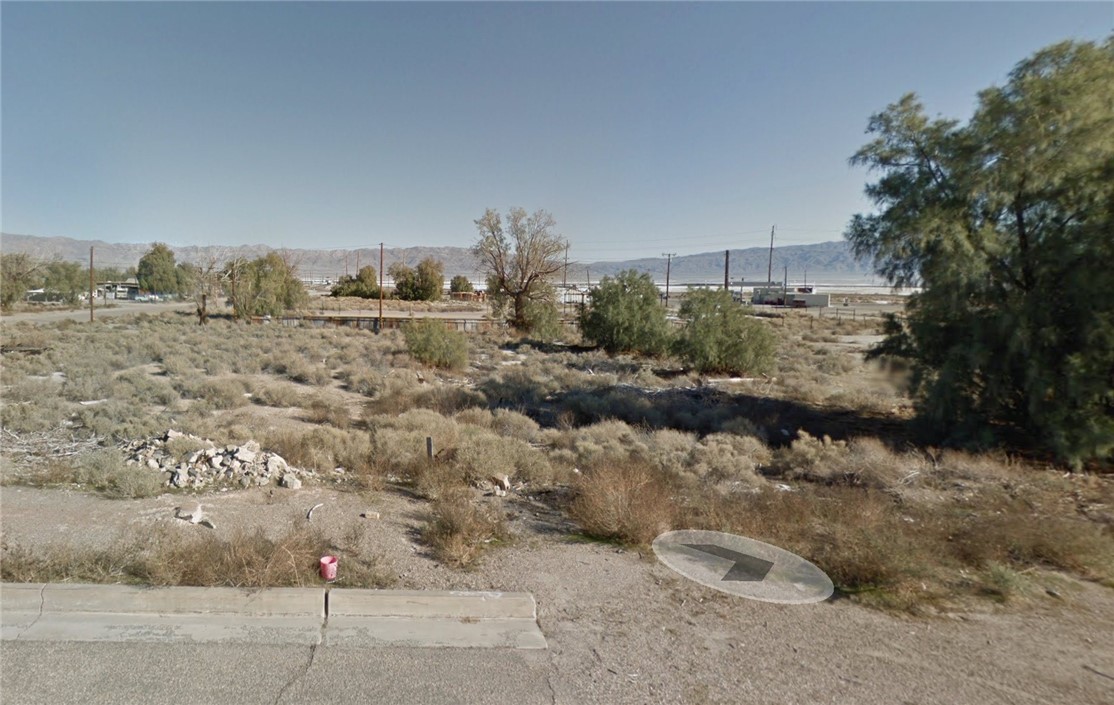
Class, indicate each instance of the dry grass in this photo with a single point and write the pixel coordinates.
(460, 528)
(249, 559)
(329, 409)
(862, 461)
(102, 471)
(627, 502)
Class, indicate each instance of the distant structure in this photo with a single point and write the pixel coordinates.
(797, 297)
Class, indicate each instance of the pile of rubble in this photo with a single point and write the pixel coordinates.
(244, 465)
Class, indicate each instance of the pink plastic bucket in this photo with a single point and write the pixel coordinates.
(329, 567)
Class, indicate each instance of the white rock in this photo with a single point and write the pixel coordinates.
(252, 446)
(153, 464)
(501, 482)
(215, 462)
(291, 482)
(276, 464)
(370, 515)
(245, 454)
(172, 434)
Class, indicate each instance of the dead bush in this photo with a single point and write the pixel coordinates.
(474, 417)
(328, 409)
(459, 528)
(323, 448)
(481, 454)
(863, 461)
(434, 479)
(724, 457)
(630, 502)
(279, 395)
(225, 393)
(362, 379)
(448, 399)
(514, 425)
(102, 470)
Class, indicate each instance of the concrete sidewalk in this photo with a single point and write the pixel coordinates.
(311, 616)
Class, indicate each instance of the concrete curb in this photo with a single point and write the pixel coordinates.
(369, 618)
(340, 616)
(433, 604)
(133, 599)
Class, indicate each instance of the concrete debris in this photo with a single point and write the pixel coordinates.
(244, 465)
(291, 482)
(370, 515)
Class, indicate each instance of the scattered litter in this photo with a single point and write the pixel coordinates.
(309, 514)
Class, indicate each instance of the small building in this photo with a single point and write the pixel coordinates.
(128, 290)
(797, 297)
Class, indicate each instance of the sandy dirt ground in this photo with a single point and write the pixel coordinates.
(623, 628)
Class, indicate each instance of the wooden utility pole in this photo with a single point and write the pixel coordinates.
(565, 281)
(91, 297)
(668, 262)
(380, 287)
(726, 268)
(770, 266)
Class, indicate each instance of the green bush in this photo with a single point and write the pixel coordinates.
(429, 341)
(626, 315)
(460, 284)
(721, 336)
(364, 284)
(424, 283)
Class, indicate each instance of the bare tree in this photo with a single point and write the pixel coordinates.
(208, 281)
(519, 256)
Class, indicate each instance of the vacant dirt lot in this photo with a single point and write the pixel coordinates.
(960, 577)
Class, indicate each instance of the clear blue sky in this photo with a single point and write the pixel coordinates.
(643, 128)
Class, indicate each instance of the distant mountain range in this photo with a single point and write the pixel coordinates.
(825, 260)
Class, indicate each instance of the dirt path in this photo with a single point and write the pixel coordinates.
(121, 308)
(623, 628)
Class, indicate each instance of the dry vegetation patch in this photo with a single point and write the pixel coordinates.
(249, 559)
(807, 458)
(460, 528)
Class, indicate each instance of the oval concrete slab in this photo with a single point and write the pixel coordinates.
(741, 566)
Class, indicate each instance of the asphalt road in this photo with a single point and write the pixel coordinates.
(91, 673)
